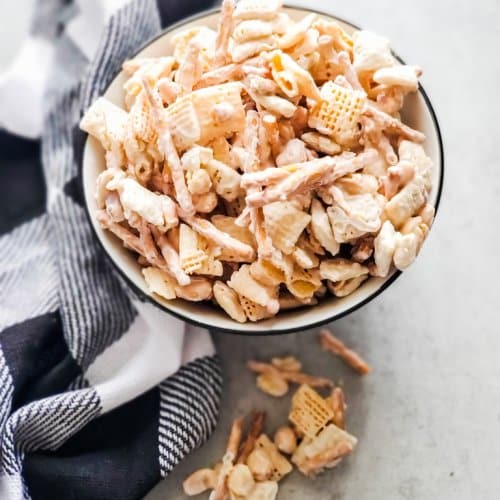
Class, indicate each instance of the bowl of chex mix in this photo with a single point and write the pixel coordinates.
(261, 168)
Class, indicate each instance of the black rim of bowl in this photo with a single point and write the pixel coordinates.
(80, 140)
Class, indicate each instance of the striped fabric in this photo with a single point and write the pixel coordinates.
(181, 403)
(6, 392)
(34, 266)
(59, 417)
(90, 379)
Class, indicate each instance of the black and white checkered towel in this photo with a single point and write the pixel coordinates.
(100, 395)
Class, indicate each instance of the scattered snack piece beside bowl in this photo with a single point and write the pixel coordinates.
(315, 438)
(251, 469)
(262, 165)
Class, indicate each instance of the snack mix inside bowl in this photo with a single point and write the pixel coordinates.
(264, 165)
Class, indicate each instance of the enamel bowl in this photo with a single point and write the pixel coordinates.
(418, 113)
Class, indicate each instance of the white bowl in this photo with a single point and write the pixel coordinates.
(417, 112)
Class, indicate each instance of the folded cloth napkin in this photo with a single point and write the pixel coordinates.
(101, 394)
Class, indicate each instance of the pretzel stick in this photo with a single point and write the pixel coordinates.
(220, 75)
(190, 68)
(270, 124)
(334, 167)
(233, 443)
(296, 377)
(171, 258)
(264, 148)
(143, 245)
(220, 238)
(150, 251)
(335, 346)
(243, 219)
(256, 427)
(387, 122)
(264, 177)
(224, 33)
(167, 149)
(290, 178)
(264, 243)
(375, 136)
(251, 143)
(350, 74)
(294, 35)
(319, 172)
(387, 150)
(130, 240)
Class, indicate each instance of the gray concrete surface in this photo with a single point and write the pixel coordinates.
(428, 417)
